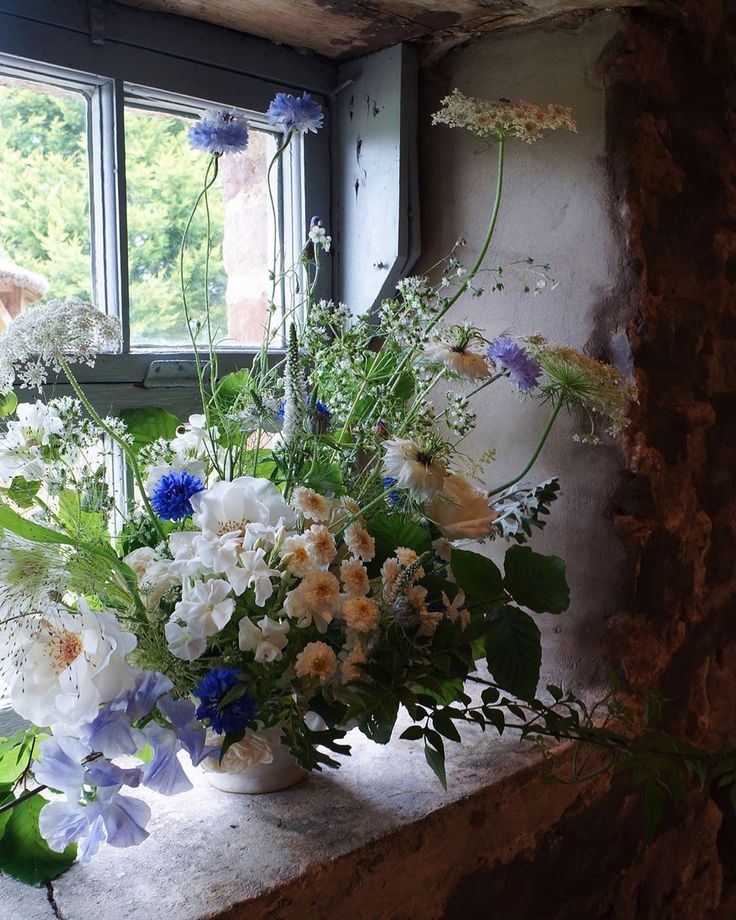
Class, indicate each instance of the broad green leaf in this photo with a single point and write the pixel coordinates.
(22, 491)
(149, 424)
(8, 404)
(514, 651)
(479, 578)
(393, 531)
(535, 581)
(231, 386)
(87, 525)
(12, 764)
(326, 479)
(6, 796)
(36, 533)
(24, 853)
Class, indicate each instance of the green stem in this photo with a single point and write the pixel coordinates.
(533, 459)
(122, 444)
(478, 262)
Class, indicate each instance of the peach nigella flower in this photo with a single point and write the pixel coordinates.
(316, 662)
(360, 542)
(354, 576)
(361, 614)
(311, 504)
(321, 545)
(416, 468)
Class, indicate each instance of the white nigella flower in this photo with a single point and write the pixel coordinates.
(207, 606)
(413, 467)
(460, 510)
(20, 453)
(454, 349)
(268, 638)
(71, 663)
(191, 439)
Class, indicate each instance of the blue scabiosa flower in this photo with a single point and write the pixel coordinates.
(295, 113)
(171, 494)
(211, 691)
(218, 132)
(513, 360)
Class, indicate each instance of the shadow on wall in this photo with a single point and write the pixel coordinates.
(557, 210)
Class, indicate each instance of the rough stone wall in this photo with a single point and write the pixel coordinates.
(670, 85)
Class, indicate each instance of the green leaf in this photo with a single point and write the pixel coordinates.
(326, 479)
(535, 581)
(24, 853)
(514, 651)
(22, 492)
(149, 424)
(436, 760)
(479, 578)
(412, 733)
(445, 726)
(12, 765)
(231, 386)
(8, 404)
(87, 525)
(36, 533)
(395, 530)
(5, 797)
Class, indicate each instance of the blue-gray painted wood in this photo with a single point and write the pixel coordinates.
(185, 38)
(375, 190)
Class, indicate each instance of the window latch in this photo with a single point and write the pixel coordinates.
(174, 373)
(97, 17)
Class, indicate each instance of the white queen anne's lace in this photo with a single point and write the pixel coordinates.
(37, 341)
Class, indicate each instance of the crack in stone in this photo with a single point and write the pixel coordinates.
(52, 901)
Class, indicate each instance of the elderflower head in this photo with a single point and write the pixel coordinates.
(43, 338)
(501, 119)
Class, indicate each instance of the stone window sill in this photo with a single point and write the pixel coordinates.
(378, 838)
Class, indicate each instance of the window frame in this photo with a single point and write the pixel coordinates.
(169, 56)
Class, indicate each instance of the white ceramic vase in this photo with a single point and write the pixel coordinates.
(259, 763)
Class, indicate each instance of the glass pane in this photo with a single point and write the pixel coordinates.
(164, 178)
(44, 195)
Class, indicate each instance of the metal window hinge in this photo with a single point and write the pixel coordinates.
(97, 20)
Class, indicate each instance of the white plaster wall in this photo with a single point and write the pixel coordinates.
(556, 209)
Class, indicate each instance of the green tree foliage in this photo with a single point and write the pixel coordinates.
(44, 207)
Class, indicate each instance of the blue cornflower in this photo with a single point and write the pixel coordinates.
(319, 417)
(295, 113)
(394, 497)
(219, 131)
(513, 360)
(212, 689)
(171, 494)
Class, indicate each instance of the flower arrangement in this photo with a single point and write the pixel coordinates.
(297, 559)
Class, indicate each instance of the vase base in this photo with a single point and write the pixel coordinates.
(258, 779)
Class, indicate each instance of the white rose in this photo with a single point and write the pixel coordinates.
(460, 510)
(71, 663)
(140, 560)
(230, 506)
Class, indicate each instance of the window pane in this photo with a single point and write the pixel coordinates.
(44, 195)
(164, 178)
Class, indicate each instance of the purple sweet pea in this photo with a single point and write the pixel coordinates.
(191, 733)
(111, 733)
(150, 685)
(164, 773)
